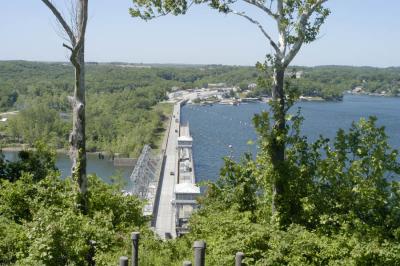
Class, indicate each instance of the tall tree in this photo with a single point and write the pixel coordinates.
(297, 22)
(75, 34)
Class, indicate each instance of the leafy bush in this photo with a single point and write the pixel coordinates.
(39, 162)
(40, 224)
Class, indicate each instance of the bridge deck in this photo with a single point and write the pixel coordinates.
(165, 222)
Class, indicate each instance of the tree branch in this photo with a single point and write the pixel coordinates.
(279, 5)
(301, 25)
(68, 47)
(242, 14)
(61, 20)
(82, 20)
(281, 28)
(262, 7)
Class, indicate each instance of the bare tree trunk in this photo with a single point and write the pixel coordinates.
(76, 34)
(78, 134)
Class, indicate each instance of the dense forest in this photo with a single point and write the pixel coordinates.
(123, 105)
(22, 82)
(330, 82)
(332, 79)
(347, 209)
(342, 195)
(124, 109)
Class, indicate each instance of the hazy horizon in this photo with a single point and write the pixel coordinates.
(357, 33)
(187, 64)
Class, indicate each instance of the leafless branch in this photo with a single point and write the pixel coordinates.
(82, 19)
(258, 24)
(261, 6)
(68, 47)
(73, 16)
(60, 19)
(59, 30)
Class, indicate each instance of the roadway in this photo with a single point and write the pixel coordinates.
(165, 222)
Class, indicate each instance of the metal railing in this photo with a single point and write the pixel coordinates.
(199, 254)
(146, 171)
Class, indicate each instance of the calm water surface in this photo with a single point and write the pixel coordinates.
(216, 127)
(103, 168)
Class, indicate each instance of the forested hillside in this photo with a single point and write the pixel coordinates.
(123, 99)
(343, 78)
(123, 111)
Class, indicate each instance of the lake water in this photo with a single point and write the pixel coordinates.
(216, 127)
(103, 168)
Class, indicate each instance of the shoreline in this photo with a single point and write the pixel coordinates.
(58, 151)
(301, 99)
(373, 94)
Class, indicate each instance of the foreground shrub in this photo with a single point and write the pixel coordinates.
(40, 223)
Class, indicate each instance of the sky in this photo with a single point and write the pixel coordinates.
(358, 32)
